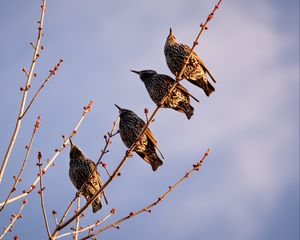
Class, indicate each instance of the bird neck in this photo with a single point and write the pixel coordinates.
(75, 160)
(171, 40)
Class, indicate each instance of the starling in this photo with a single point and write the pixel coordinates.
(130, 127)
(80, 170)
(158, 86)
(195, 71)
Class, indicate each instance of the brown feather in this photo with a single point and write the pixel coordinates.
(195, 55)
(182, 88)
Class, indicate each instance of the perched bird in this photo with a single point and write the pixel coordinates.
(158, 86)
(80, 170)
(195, 71)
(130, 127)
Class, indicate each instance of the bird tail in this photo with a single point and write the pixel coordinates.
(152, 159)
(208, 88)
(187, 109)
(155, 161)
(189, 112)
(96, 205)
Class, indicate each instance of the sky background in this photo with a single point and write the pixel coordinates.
(249, 186)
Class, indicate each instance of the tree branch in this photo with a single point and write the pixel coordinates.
(52, 73)
(196, 167)
(25, 91)
(87, 109)
(77, 220)
(28, 148)
(130, 150)
(90, 227)
(41, 173)
(13, 219)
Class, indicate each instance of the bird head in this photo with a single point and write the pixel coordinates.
(145, 74)
(171, 37)
(120, 109)
(124, 112)
(75, 151)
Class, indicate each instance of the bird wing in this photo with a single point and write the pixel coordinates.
(151, 137)
(148, 133)
(195, 55)
(204, 66)
(180, 87)
(142, 155)
(103, 193)
(97, 175)
(183, 89)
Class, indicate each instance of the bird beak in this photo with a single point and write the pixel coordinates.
(120, 109)
(171, 33)
(137, 72)
(72, 144)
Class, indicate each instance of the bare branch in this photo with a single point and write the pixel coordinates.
(54, 213)
(13, 219)
(146, 111)
(105, 168)
(87, 109)
(196, 167)
(130, 150)
(41, 172)
(68, 209)
(77, 220)
(195, 43)
(52, 73)
(28, 148)
(25, 90)
(90, 227)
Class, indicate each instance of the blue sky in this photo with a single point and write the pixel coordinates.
(249, 186)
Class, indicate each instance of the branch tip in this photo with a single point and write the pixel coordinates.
(113, 210)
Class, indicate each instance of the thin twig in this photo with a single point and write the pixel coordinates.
(67, 210)
(28, 148)
(108, 140)
(57, 152)
(130, 150)
(13, 219)
(41, 173)
(52, 73)
(25, 91)
(196, 167)
(77, 220)
(90, 227)
(54, 213)
(146, 111)
(105, 168)
(195, 43)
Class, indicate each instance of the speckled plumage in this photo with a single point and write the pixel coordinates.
(130, 127)
(195, 71)
(158, 86)
(80, 170)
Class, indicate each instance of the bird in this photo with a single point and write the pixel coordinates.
(130, 126)
(195, 70)
(158, 86)
(84, 170)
